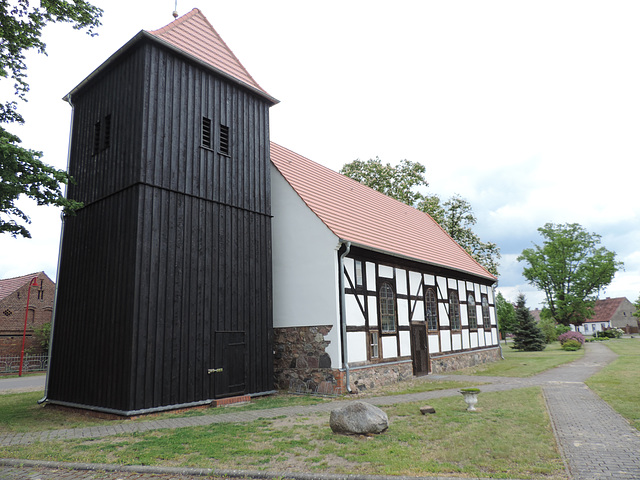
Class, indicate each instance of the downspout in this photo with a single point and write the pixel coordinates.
(343, 313)
(493, 290)
(55, 296)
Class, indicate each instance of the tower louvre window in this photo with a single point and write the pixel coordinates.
(206, 132)
(106, 142)
(96, 137)
(224, 140)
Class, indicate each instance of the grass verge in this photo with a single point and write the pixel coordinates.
(508, 437)
(524, 364)
(618, 383)
(20, 413)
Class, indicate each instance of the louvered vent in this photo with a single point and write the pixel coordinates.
(224, 140)
(206, 132)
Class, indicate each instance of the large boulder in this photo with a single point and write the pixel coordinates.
(358, 418)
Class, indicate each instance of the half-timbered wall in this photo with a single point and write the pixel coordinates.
(166, 272)
(388, 301)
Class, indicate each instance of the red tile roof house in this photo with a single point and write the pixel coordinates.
(611, 313)
(208, 236)
(13, 305)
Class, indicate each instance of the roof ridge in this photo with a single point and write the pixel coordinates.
(174, 23)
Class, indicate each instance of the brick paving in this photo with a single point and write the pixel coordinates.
(595, 441)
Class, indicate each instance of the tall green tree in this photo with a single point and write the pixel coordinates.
(23, 172)
(404, 181)
(506, 315)
(571, 268)
(527, 335)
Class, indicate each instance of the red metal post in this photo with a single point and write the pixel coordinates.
(32, 283)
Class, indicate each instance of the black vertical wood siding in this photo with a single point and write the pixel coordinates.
(173, 244)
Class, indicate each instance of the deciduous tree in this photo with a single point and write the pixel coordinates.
(506, 315)
(571, 268)
(23, 172)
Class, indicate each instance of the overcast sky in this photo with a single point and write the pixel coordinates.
(529, 110)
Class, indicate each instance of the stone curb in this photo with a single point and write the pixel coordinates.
(208, 472)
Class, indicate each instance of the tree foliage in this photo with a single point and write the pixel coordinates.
(456, 216)
(637, 305)
(23, 172)
(571, 268)
(506, 315)
(403, 182)
(399, 182)
(527, 335)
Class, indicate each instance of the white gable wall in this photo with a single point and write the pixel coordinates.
(305, 266)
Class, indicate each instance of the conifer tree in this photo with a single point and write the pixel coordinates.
(527, 333)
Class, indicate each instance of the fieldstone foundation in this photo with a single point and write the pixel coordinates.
(300, 355)
(374, 376)
(451, 362)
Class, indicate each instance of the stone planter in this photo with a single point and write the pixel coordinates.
(470, 397)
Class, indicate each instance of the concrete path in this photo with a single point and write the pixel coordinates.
(594, 440)
(28, 383)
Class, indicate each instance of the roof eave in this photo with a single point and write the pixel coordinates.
(491, 278)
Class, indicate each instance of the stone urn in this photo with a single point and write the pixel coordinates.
(470, 397)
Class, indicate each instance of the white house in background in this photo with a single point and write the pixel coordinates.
(610, 313)
(368, 290)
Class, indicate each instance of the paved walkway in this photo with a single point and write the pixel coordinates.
(595, 441)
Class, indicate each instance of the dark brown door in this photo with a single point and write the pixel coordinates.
(419, 351)
(229, 372)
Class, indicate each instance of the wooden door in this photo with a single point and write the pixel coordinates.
(419, 350)
(229, 372)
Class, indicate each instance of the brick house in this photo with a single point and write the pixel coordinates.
(13, 304)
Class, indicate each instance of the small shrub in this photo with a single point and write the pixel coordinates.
(612, 333)
(571, 345)
(571, 336)
(560, 329)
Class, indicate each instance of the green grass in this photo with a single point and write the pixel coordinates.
(524, 364)
(618, 383)
(508, 437)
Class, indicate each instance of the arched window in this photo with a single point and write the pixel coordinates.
(431, 302)
(387, 300)
(454, 310)
(471, 312)
(486, 316)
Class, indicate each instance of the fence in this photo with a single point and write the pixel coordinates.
(31, 363)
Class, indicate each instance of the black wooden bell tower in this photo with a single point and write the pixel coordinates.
(164, 286)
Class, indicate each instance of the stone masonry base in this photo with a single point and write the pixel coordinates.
(301, 359)
(457, 361)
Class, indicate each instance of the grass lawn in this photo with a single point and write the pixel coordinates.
(508, 437)
(618, 384)
(524, 364)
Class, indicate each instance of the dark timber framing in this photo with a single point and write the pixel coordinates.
(456, 282)
(165, 277)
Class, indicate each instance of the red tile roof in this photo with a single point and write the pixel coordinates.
(605, 309)
(367, 218)
(193, 34)
(10, 285)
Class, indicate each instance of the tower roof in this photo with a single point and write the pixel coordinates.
(194, 35)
